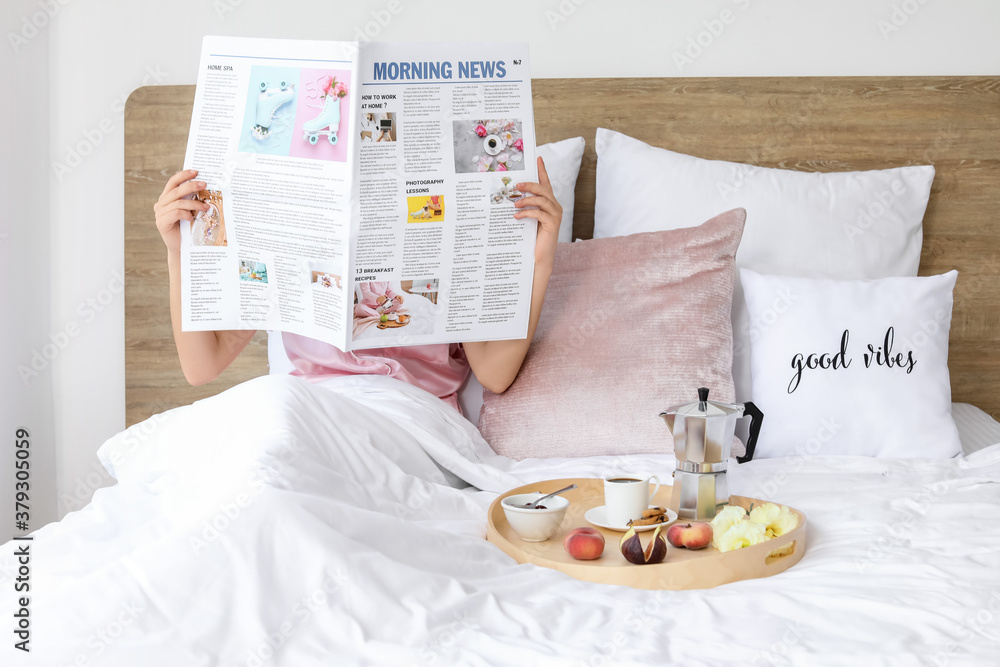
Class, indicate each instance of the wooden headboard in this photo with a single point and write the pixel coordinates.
(810, 124)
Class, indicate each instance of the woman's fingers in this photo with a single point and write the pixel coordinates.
(543, 174)
(539, 189)
(535, 188)
(542, 205)
(541, 196)
(188, 204)
(545, 217)
(176, 200)
(543, 199)
(181, 209)
(177, 190)
(172, 206)
(177, 179)
(186, 189)
(539, 201)
(169, 214)
(546, 214)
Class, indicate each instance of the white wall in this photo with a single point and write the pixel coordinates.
(26, 384)
(100, 50)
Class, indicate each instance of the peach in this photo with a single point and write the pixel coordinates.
(696, 535)
(584, 543)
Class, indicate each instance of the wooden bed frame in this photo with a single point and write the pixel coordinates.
(810, 124)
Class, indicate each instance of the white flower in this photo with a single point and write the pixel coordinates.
(726, 517)
(492, 127)
(508, 138)
(777, 520)
(503, 157)
(739, 535)
(509, 125)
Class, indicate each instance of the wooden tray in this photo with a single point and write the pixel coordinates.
(683, 569)
(394, 325)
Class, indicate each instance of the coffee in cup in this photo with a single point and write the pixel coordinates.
(627, 496)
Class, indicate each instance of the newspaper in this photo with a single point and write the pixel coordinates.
(361, 194)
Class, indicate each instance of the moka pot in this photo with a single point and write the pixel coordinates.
(703, 440)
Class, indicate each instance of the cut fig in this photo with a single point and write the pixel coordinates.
(632, 550)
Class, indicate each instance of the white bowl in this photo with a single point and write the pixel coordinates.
(534, 525)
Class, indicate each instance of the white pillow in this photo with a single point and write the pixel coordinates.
(855, 401)
(277, 359)
(865, 224)
(976, 429)
(562, 161)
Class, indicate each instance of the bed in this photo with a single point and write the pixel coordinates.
(304, 535)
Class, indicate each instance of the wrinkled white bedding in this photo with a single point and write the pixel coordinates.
(283, 523)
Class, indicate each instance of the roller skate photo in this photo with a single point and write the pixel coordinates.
(328, 118)
(270, 101)
(271, 111)
(324, 105)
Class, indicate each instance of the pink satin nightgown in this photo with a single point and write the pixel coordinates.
(438, 369)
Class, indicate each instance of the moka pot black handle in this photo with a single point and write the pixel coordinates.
(756, 417)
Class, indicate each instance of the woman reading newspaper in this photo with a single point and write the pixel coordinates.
(439, 369)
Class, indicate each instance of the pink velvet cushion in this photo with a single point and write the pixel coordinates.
(631, 325)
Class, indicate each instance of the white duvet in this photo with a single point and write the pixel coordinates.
(283, 523)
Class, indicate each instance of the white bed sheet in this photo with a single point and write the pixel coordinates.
(284, 523)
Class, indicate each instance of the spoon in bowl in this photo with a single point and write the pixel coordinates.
(535, 503)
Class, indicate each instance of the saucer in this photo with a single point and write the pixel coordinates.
(498, 146)
(599, 517)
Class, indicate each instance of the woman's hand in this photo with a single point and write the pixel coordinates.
(203, 354)
(173, 206)
(497, 362)
(543, 207)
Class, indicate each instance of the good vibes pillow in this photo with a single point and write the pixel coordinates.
(852, 367)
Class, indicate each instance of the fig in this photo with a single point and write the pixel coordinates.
(631, 547)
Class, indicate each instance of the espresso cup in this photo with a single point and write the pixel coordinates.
(627, 496)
